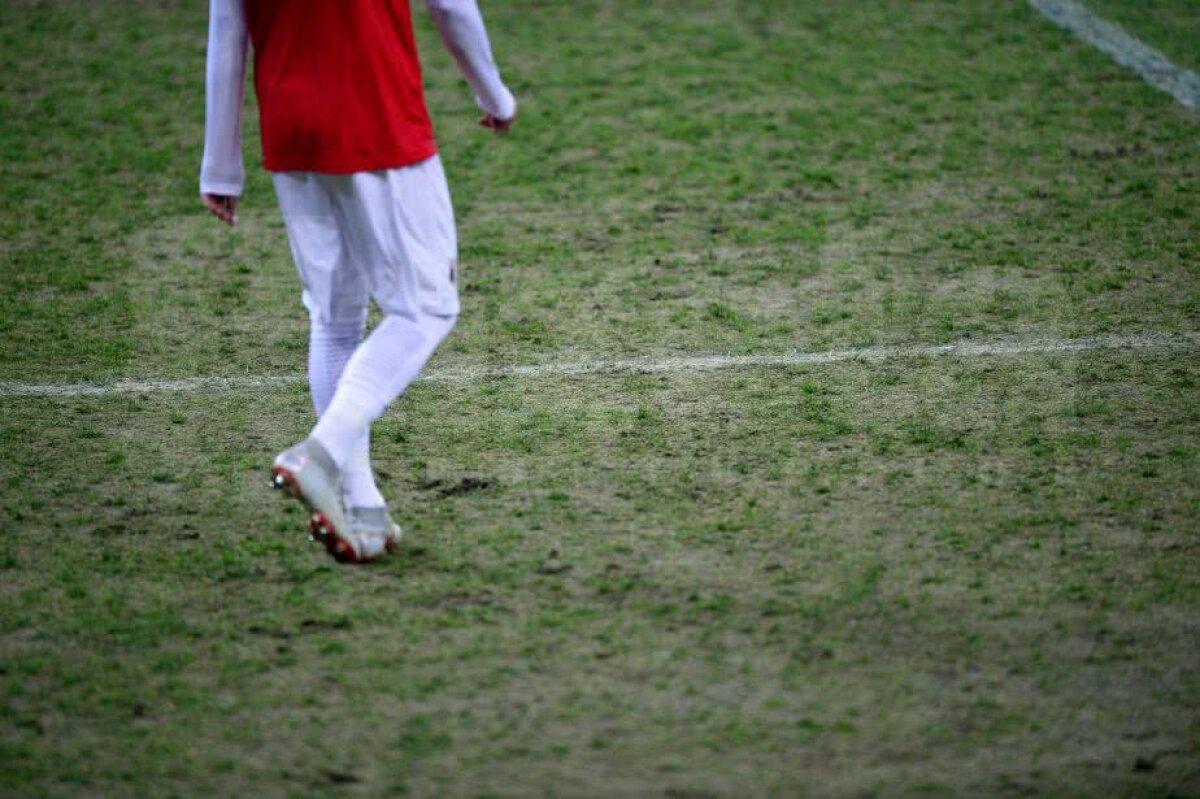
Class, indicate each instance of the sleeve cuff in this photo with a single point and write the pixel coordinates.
(223, 189)
(504, 102)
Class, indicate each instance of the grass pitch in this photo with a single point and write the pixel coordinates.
(929, 576)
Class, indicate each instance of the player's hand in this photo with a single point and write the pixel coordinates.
(222, 206)
(495, 124)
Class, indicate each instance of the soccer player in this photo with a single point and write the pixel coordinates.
(348, 140)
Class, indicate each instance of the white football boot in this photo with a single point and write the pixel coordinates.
(374, 532)
(308, 473)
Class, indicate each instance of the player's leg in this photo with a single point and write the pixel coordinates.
(382, 367)
(330, 346)
(336, 298)
(400, 223)
(337, 304)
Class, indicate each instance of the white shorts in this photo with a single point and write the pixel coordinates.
(387, 235)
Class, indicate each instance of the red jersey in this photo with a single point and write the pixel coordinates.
(339, 85)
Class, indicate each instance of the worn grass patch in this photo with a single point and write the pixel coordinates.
(776, 580)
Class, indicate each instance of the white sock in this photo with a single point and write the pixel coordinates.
(378, 372)
(330, 346)
(358, 480)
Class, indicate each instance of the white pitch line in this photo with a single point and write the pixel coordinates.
(1156, 342)
(1152, 66)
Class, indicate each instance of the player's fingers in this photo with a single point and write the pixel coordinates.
(502, 125)
(213, 204)
(492, 123)
(221, 207)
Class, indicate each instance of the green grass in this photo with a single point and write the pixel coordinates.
(930, 576)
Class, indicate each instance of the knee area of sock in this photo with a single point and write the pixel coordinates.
(436, 328)
(322, 329)
(423, 330)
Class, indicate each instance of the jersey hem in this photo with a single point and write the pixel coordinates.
(340, 167)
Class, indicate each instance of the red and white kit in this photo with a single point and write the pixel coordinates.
(347, 136)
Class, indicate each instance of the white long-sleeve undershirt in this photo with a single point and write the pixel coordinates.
(462, 29)
(222, 172)
(221, 169)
